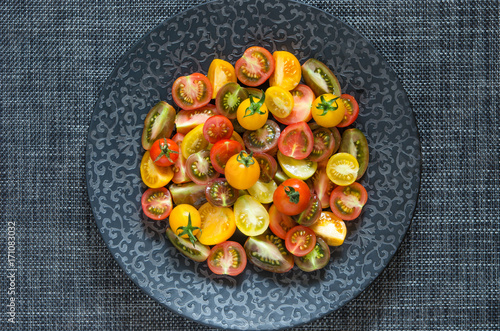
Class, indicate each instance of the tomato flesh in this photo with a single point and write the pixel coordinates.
(255, 66)
(316, 259)
(351, 110)
(156, 203)
(227, 258)
(217, 224)
(197, 252)
(303, 98)
(264, 139)
(269, 253)
(300, 240)
(222, 151)
(186, 120)
(216, 128)
(159, 123)
(200, 168)
(296, 141)
(220, 193)
(179, 167)
(192, 91)
(347, 202)
(324, 143)
(280, 223)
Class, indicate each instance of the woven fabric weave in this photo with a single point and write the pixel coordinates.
(54, 58)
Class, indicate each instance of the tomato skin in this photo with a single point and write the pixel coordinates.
(222, 151)
(280, 223)
(188, 193)
(216, 128)
(263, 139)
(292, 196)
(197, 252)
(300, 240)
(287, 71)
(354, 142)
(194, 142)
(242, 171)
(351, 110)
(347, 202)
(227, 258)
(192, 91)
(296, 141)
(252, 114)
(186, 120)
(312, 212)
(217, 224)
(320, 78)
(220, 72)
(179, 168)
(255, 66)
(152, 175)
(268, 252)
(328, 110)
(330, 228)
(252, 219)
(164, 152)
(303, 98)
(159, 123)
(179, 217)
(156, 203)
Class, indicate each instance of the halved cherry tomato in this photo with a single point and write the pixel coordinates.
(159, 123)
(164, 152)
(185, 222)
(262, 191)
(216, 128)
(156, 203)
(227, 258)
(279, 101)
(200, 168)
(337, 137)
(268, 166)
(328, 110)
(229, 98)
(264, 139)
(220, 72)
(346, 202)
(316, 259)
(186, 120)
(267, 251)
(324, 143)
(252, 114)
(312, 212)
(179, 167)
(152, 175)
(320, 78)
(330, 228)
(342, 169)
(303, 98)
(351, 110)
(292, 196)
(280, 223)
(192, 91)
(194, 141)
(250, 215)
(354, 142)
(255, 66)
(287, 70)
(219, 193)
(222, 151)
(196, 252)
(242, 171)
(300, 240)
(296, 141)
(217, 224)
(300, 169)
(188, 193)
(322, 185)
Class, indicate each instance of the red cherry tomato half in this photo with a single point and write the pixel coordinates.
(292, 196)
(216, 128)
(296, 141)
(157, 203)
(303, 98)
(164, 152)
(268, 166)
(200, 168)
(264, 139)
(324, 143)
(222, 151)
(351, 110)
(192, 91)
(346, 202)
(280, 223)
(227, 258)
(255, 66)
(300, 240)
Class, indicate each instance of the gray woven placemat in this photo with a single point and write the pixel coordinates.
(54, 58)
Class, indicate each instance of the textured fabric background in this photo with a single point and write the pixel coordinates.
(55, 56)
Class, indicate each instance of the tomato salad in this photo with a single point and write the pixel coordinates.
(255, 152)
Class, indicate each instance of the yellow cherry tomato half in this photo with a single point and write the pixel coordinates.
(194, 141)
(217, 224)
(330, 228)
(220, 72)
(279, 101)
(342, 169)
(185, 221)
(300, 169)
(152, 175)
(242, 171)
(252, 113)
(328, 110)
(287, 71)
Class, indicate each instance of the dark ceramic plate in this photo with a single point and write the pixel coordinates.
(256, 299)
